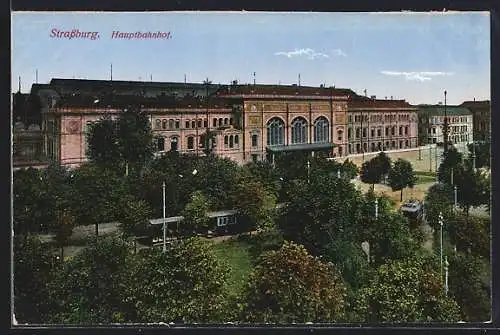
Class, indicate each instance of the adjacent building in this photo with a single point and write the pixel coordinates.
(481, 114)
(431, 124)
(242, 122)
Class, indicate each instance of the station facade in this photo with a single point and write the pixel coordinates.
(242, 122)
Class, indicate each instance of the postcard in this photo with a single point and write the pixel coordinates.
(215, 168)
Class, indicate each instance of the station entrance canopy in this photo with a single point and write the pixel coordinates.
(304, 147)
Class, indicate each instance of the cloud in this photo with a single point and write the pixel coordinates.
(417, 76)
(339, 52)
(308, 52)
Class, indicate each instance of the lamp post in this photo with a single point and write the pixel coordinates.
(308, 170)
(376, 208)
(338, 173)
(164, 221)
(430, 158)
(441, 251)
(446, 264)
(455, 189)
(451, 176)
(473, 156)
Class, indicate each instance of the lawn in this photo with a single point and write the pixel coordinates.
(237, 255)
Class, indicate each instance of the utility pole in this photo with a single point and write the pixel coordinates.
(445, 126)
(164, 221)
(440, 218)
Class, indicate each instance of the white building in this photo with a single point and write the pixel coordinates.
(460, 124)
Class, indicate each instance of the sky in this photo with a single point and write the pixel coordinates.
(411, 56)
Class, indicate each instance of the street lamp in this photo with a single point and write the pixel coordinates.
(441, 253)
(376, 208)
(338, 173)
(308, 170)
(446, 264)
(445, 125)
(455, 189)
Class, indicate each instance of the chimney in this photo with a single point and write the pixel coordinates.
(385, 98)
(373, 97)
(474, 99)
(391, 98)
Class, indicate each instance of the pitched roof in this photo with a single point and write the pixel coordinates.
(292, 90)
(440, 109)
(96, 84)
(374, 103)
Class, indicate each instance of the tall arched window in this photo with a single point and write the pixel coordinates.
(321, 130)
(171, 124)
(299, 130)
(275, 132)
(164, 124)
(157, 124)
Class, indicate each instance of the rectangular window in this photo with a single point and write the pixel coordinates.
(187, 124)
(214, 122)
(205, 123)
(364, 132)
(190, 143)
(177, 124)
(372, 133)
(254, 140)
(379, 132)
(199, 123)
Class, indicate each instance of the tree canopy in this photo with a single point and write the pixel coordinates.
(401, 176)
(289, 285)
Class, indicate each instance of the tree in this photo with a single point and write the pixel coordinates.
(470, 234)
(185, 284)
(439, 199)
(371, 172)
(473, 189)
(470, 286)
(34, 266)
(90, 289)
(134, 218)
(65, 229)
(254, 202)
(320, 211)
(384, 164)
(28, 202)
(195, 214)
(406, 291)
(103, 139)
(349, 169)
(135, 138)
(452, 160)
(97, 195)
(116, 144)
(289, 285)
(482, 151)
(402, 176)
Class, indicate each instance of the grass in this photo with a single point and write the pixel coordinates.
(237, 254)
(425, 173)
(424, 179)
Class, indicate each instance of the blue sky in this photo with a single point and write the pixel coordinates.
(408, 56)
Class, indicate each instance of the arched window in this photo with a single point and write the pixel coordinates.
(220, 122)
(164, 124)
(236, 140)
(171, 124)
(231, 141)
(321, 130)
(406, 130)
(299, 130)
(275, 132)
(187, 123)
(157, 124)
(193, 124)
(226, 121)
(226, 141)
(214, 122)
(340, 135)
(190, 142)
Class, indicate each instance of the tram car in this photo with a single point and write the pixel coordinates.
(414, 211)
(224, 222)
